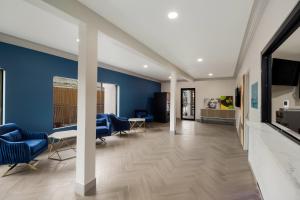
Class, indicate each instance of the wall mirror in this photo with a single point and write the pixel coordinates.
(280, 78)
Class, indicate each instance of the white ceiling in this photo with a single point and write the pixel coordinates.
(290, 49)
(210, 29)
(21, 19)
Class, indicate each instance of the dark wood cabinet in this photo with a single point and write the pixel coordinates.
(161, 105)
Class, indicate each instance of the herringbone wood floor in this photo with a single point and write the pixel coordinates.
(201, 161)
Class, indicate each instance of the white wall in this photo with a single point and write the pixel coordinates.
(274, 15)
(204, 89)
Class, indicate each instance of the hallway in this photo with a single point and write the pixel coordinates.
(202, 161)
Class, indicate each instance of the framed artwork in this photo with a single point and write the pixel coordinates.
(254, 95)
(211, 103)
(226, 102)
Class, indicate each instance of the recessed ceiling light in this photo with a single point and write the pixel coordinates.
(172, 15)
(210, 74)
(170, 77)
(145, 66)
(77, 40)
(199, 60)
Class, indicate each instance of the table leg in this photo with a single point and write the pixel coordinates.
(55, 150)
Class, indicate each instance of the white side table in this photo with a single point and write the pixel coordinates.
(59, 142)
(136, 123)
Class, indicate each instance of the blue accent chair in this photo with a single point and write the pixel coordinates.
(101, 119)
(144, 114)
(19, 146)
(103, 127)
(119, 124)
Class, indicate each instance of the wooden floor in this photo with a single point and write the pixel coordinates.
(201, 162)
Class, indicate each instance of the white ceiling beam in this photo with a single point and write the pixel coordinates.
(79, 12)
(257, 11)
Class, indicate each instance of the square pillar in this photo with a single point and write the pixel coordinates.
(173, 103)
(86, 110)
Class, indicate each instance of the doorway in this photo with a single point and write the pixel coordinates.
(244, 111)
(188, 103)
(246, 107)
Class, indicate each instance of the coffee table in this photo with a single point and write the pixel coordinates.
(136, 123)
(59, 141)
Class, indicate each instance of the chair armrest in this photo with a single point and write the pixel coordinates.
(14, 152)
(35, 135)
(101, 121)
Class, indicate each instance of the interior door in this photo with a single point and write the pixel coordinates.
(242, 115)
(246, 106)
(188, 103)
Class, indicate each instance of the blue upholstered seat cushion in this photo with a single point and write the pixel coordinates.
(141, 114)
(13, 136)
(102, 131)
(36, 145)
(149, 118)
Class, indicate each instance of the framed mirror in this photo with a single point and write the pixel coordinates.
(280, 105)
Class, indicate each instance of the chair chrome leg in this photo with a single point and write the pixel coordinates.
(9, 169)
(32, 166)
(103, 140)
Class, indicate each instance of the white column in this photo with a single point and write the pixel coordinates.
(173, 102)
(86, 115)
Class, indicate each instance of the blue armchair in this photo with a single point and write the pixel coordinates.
(19, 146)
(101, 119)
(119, 124)
(144, 114)
(103, 127)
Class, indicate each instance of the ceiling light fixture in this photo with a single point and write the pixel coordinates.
(172, 15)
(199, 59)
(210, 74)
(77, 40)
(145, 66)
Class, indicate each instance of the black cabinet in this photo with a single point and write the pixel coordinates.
(161, 107)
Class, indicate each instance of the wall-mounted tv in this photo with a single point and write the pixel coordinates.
(285, 72)
(237, 97)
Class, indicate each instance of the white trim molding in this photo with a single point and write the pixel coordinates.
(257, 11)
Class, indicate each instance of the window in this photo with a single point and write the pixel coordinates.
(65, 100)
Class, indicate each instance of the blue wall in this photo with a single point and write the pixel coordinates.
(29, 84)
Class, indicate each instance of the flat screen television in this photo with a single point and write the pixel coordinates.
(237, 97)
(285, 72)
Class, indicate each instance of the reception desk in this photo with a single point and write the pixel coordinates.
(217, 116)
